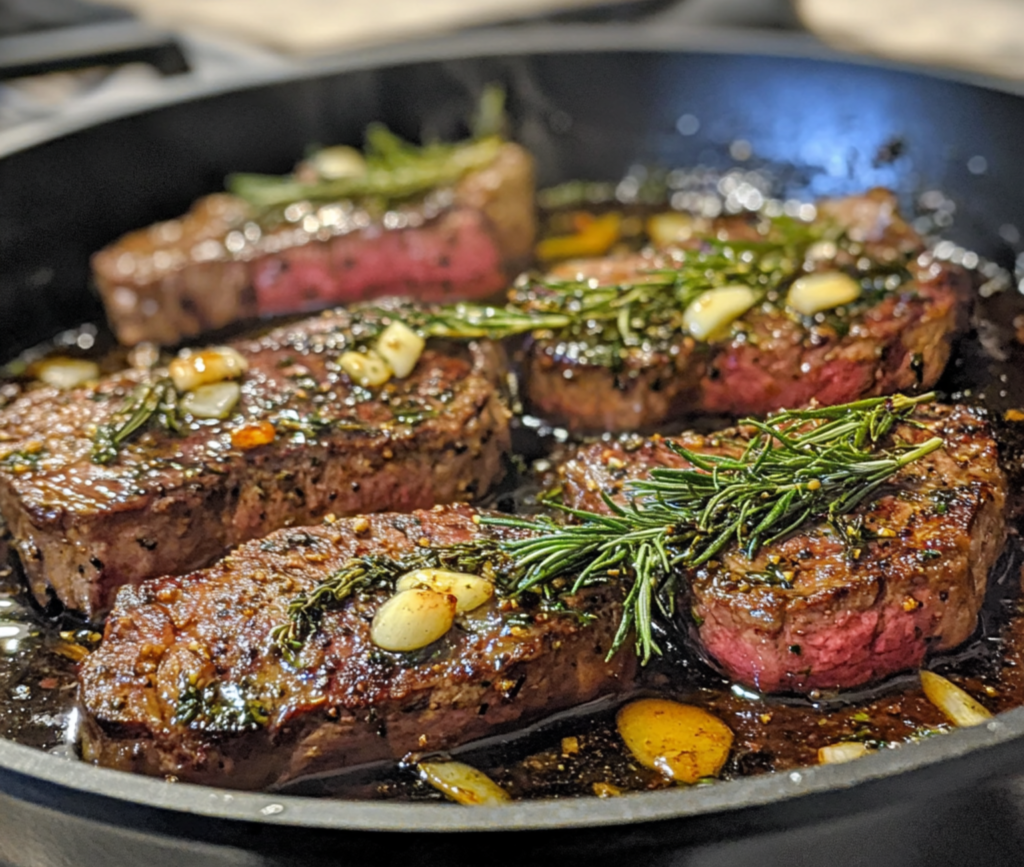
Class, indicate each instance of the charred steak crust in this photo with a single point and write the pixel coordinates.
(342, 701)
(218, 265)
(898, 342)
(815, 611)
(171, 503)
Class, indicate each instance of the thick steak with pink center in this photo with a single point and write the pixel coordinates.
(822, 609)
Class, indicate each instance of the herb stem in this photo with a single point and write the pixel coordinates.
(794, 467)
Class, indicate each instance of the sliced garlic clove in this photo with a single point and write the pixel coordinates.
(959, 707)
(463, 784)
(709, 317)
(845, 751)
(65, 373)
(816, 292)
(401, 347)
(681, 741)
(211, 401)
(364, 369)
(821, 251)
(412, 619)
(339, 161)
(470, 591)
(216, 364)
(670, 228)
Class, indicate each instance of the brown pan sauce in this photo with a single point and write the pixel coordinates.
(581, 753)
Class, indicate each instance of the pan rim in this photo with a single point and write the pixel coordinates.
(536, 815)
(678, 803)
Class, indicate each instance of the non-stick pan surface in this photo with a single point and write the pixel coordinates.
(589, 102)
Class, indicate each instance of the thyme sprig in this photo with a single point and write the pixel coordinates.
(795, 467)
(150, 402)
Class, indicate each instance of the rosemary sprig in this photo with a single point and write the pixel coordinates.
(393, 169)
(800, 465)
(155, 401)
(796, 467)
(621, 314)
(603, 324)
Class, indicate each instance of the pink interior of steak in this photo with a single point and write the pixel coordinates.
(222, 262)
(847, 611)
(776, 359)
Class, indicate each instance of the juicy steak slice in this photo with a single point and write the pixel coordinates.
(218, 265)
(342, 701)
(816, 611)
(173, 502)
(895, 341)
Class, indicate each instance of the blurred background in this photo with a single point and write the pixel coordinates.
(77, 56)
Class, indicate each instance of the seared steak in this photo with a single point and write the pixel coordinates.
(895, 338)
(303, 442)
(218, 264)
(188, 682)
(819, 611)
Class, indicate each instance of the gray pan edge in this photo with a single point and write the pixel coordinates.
(583, 812)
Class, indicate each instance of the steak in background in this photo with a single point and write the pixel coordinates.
(343, 701)
(170, 502)
(816, 611)
(900, 342)
(218, 265)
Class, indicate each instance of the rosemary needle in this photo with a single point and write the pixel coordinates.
(153, 401)
(798, 465)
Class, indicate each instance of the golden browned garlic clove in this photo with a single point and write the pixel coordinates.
(365, 369)
(211, 401)
(463, 784)
(400, 347)
(959, 707)
(470, 591)
(814, 293)
(65, 373)
(711, 314)
(681, 741)
(412, 619)
(192, 369)
(845, 751)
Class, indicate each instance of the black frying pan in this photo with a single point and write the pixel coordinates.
(589, 102)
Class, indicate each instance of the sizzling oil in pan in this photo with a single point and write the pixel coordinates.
(581, 753)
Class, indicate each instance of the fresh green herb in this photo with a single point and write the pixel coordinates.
(364, 573)
(412, 415)
(603, 324)
(615, 318)
(391, 169)
(24, 459)
(313, 425)
(799, 465)
(154, 402)
(219, 708)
